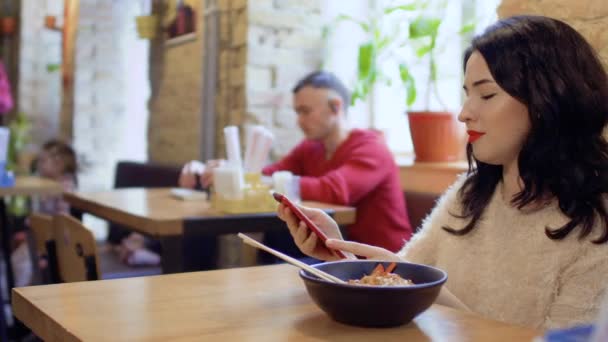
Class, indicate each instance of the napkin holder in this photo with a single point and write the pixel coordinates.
(256, 198)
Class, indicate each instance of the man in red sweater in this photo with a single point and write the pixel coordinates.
(340, 165)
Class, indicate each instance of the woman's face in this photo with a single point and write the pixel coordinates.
(497, 123)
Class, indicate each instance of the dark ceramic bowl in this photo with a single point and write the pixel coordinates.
(374, 306)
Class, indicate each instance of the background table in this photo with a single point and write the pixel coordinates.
(156, 213)
(264, 303)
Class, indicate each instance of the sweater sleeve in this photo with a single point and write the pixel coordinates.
(291, 162)
(422, 247)
(364, 170)
(581, 288)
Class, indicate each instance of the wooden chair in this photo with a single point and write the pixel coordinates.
(76, 250)
(41, 226)
(79, 259)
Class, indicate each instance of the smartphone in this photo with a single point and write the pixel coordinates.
(313, 227)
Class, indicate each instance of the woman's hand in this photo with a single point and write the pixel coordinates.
(311, 245)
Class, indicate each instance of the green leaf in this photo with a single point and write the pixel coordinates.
(470, 27)
(409, 84)
(343, 17)
(424, 50)
(383, 43)
(355, 96)
(411, 94)
(366, 60)
(410, 7)
(424, 27)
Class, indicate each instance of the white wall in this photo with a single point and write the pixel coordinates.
(111, 89)
(341, 50)
(39, 91)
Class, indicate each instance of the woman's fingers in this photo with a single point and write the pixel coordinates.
(370, 252)
(307, 238)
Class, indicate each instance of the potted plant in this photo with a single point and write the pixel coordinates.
(435, 134)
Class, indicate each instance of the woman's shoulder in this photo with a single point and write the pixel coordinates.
(451, 196)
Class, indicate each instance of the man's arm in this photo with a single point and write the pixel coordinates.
(291, 162)
(351, 181)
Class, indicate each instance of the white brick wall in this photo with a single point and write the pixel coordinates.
(39, 91)
(112, 89)
(111, 83)
(284, 44)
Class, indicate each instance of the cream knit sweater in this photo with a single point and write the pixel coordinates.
(508, 269)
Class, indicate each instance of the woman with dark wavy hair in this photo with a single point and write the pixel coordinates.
(523, 235)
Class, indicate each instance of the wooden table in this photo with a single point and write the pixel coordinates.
(156, 213)
(24, 186)
(32, 185)
(266, 303)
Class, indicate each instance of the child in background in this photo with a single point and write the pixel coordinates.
(56, 161)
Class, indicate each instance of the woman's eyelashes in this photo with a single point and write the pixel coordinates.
(489, 96)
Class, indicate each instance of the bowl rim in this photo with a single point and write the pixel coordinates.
(307, 276)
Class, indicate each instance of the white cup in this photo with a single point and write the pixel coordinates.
(288, 184)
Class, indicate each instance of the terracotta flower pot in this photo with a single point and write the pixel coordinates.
(9, 25)
(147, 26)
(436, 136)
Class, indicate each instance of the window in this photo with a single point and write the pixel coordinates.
(385, 109)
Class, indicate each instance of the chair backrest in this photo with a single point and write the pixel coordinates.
(419, 206)
(76, 250)
(131, 174)
(41, 226)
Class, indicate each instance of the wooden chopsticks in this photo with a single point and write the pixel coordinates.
(295, 262)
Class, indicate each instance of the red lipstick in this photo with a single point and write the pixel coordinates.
(474, 135)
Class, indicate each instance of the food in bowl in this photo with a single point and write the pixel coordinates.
(382, 277)
(373, 306)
